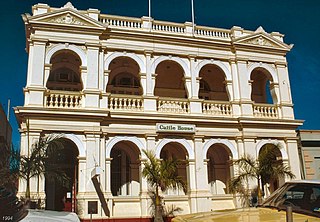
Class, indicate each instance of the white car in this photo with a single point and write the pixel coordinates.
(302, 196)
(50, 216)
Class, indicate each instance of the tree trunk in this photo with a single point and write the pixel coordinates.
(259, 192)
(158, 210)
(28, 189)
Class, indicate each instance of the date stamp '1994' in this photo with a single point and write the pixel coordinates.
(7, 218)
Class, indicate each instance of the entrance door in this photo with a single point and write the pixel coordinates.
(61, 178)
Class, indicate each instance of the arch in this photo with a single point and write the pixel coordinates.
(133, 56)
(266, 67)
(117, 139)
(222, 66)
(160, 59)
(183, 142)
(225, 142)
(261, 143)
(77, 142)
(72, 48)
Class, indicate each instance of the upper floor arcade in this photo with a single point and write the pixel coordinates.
(83, 59)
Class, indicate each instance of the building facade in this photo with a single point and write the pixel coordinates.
(309, 148)
(115, 86)
(5, 139)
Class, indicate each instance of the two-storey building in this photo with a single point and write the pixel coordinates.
(115, 86)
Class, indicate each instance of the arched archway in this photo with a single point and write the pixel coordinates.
(219, 168)
(65, 71)
(61, 178)
(212, 83)
(271, 157)
(170, 80)
(174, 150)
(124, 77)
(125, 163)
(262, 87)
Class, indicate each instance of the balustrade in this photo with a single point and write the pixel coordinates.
(162, 26)
(118, 21)
(212, 32)
(169, 27)
(173, 105)
(216, 108)
(125, 102)
(265, 111)
(67, 99)
(64, 99)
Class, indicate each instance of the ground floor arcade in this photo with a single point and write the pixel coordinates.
(118, 158)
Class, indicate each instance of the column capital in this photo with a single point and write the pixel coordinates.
(148, 52)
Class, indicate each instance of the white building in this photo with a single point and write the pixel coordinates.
(115, 86)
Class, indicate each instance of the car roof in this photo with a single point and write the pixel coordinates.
(304, 181)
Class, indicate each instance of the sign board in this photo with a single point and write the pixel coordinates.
(92, 207)
(175, 128)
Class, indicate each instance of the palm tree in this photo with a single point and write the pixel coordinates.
(266, 168)
(9, 168)
(161, 174)
(36, 164)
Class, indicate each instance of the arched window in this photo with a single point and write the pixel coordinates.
(212, 84)
(65, 72)
(273, 159)
(218, 169)
(175, 150)
(170, 80)
(124, 77)
(125, 169)
(261, 82)
(60, 192)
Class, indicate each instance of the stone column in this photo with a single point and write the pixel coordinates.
(195, 103)
(285, 98)
(92, 143)
(236, 109)
(82, 175)
(47, 69)
(92, 92)
(150, 145)
(37, 49)
(191, 173)
(101, 82)
(150, 101)
(292, 149)
(34, 91)
(244, 89)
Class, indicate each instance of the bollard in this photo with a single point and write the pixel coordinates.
(289, 214)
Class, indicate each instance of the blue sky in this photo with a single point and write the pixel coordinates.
(299, 20)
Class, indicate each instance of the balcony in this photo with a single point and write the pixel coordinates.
(133, 103)
(173, 105)
(125, 102)
(62, 99)
(265, 111)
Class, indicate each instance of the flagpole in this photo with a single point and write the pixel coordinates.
(149, 10)
(192, 14)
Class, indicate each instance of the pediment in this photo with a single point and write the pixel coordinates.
(66, 16)
(261, 39)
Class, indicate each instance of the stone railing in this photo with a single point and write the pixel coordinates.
(265, 111)
(173, 105)
(62, 99)
(216, 108)
(168, 27)
(121, 21)
(150, 25)
(212, 32)
(125, 102)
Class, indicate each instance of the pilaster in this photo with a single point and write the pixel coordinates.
(292, 149)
